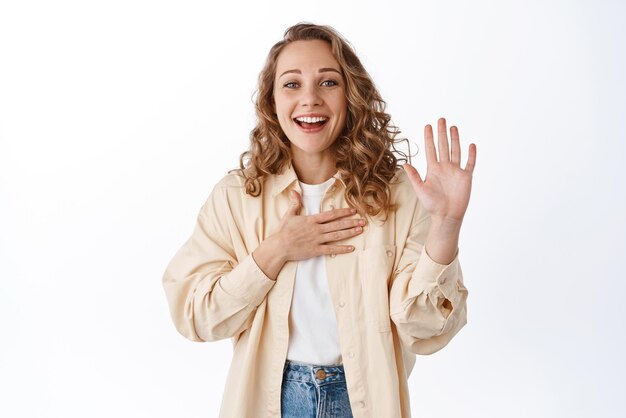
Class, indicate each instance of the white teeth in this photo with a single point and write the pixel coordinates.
(311, 120)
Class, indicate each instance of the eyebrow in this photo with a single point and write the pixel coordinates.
(321, 70)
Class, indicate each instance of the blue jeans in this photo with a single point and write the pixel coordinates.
(311, 391)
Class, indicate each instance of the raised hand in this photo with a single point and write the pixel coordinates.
(445, 192)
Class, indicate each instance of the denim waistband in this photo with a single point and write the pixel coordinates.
(312, 373)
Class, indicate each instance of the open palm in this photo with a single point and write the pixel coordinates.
(446, 191)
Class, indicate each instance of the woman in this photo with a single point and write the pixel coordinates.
(327, 264)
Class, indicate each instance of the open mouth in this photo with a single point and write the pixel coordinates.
(313, 125)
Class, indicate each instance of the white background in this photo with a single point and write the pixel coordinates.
(118, 117)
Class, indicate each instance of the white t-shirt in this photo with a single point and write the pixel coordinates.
(313, 336)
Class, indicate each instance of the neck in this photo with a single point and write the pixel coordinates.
(314, 169)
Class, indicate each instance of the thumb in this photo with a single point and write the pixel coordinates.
(414, 176)
(295, 203)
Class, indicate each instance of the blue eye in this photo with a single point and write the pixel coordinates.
(327, 83)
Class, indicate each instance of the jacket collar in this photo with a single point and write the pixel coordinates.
(289, 176)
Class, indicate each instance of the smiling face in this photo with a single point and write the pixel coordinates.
(309, 98)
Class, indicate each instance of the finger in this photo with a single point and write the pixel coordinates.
(339, 235)
(442, 136)
(336, 249)
(471, 159)
(455, 152)
(414, 176)
(429, 144)
(340, 225)
(333, 214)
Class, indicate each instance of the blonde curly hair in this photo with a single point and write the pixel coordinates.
(364, 151)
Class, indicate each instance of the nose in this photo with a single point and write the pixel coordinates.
(310, 96)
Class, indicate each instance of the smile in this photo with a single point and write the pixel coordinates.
(311, 125)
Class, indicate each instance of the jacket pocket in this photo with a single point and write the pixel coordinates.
(375, 267)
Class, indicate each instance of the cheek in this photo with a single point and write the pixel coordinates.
(281, 105)
(283, 116)
(343, 105)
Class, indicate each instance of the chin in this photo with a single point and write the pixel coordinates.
(308, 148)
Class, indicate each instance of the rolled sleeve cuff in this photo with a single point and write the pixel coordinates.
(248, 281)
(430, 276)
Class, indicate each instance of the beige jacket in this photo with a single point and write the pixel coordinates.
(387, 295)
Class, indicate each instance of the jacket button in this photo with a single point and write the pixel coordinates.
(321, 374)
(332, 206)
(351, 354)
(443, 280)
(342, 304)
(362, 404)
(389, 253)
(333, 255)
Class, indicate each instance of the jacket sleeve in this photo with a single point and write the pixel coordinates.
(212, 293)
(427, 300)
